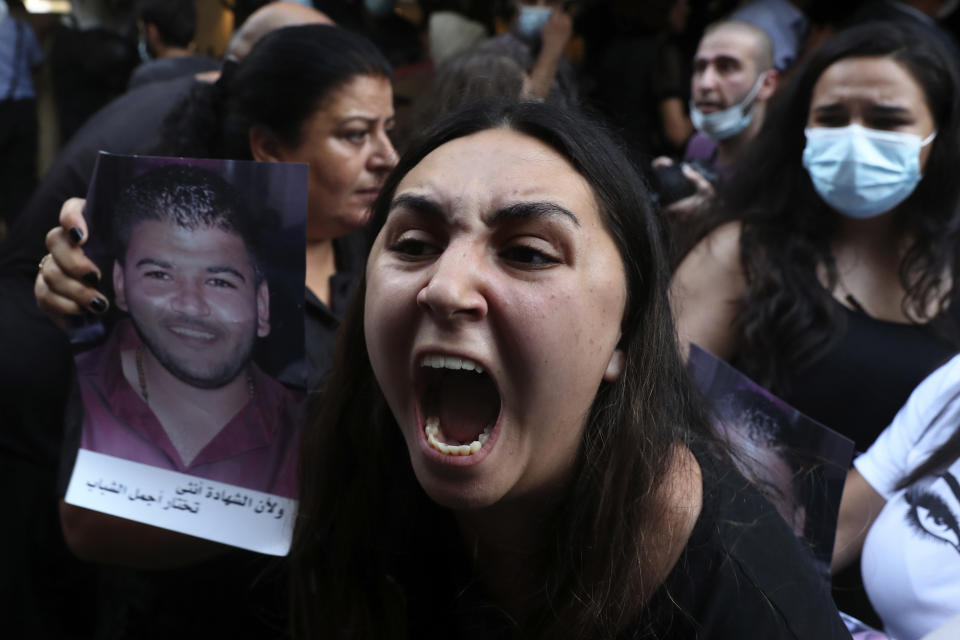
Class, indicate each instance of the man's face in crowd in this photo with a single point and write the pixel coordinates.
(194, 299)
(724, 69)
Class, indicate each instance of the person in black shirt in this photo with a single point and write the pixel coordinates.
(508, 446)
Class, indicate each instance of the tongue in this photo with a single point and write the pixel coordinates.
(468, 402)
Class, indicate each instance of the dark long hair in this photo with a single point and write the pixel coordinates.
(787, 319)
(363, 516)
(282, 81)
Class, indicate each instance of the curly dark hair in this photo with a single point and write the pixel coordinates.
(787, 319)
(366, 529)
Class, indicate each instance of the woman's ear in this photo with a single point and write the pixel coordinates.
(615, 366)
(264, 146)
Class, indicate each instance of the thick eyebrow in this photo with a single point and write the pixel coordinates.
(216, 269)
(524, 210)
(153, 262)
(834, 107)
(367, 120)
(517, 211)
(701, 62)
(226, 269)
(418, 204)
(888, 110)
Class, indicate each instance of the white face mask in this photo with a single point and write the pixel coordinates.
(863, 172)
(721, 125)
(531, 20)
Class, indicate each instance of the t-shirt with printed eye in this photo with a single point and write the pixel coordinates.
(911, 556)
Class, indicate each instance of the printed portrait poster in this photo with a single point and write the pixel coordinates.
(191, 386)
(799, 464)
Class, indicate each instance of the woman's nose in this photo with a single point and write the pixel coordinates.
(384, 156)
(455, 289)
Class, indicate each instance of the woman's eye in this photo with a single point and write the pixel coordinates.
(413, 248)
(529, 256)
(357, 136)
(885, 124)
(832, 121)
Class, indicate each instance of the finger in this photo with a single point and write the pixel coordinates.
(702, 184)
(72, 221)
(70, 258)
(52, 285)
(661, 161)
(685, 206)
(54, 306)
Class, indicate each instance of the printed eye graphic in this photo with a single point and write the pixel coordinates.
(930, 516)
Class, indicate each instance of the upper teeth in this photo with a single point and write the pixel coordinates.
(193, 333)
(448, 362)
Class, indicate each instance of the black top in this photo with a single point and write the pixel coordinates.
(742, 574)
(162, 69)
(659, 69)
(859, 385)
(129, 124)
(320, 322)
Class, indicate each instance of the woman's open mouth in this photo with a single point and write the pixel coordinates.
(459, 405)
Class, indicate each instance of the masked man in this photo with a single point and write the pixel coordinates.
(733, 80)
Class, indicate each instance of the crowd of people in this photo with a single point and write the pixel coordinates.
(505, 266)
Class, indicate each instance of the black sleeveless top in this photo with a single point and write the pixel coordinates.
(859, 385)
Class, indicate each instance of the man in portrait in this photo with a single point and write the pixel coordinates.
(175, 385)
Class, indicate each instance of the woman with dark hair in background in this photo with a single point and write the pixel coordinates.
(840, 257)
(316, 94)
(830, 275)
(508, 445)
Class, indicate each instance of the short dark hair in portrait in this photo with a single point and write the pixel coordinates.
(190, 198)
(259, 202)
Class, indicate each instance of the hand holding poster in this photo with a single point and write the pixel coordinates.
(191, 406)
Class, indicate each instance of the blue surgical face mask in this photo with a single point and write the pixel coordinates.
(730, 122)
(142, 50)
(531, 20)
(863, 172)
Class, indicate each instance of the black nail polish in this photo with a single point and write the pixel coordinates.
(91, 279)
(76, 235)
(98, 305)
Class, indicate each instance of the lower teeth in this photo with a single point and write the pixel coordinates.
(432, 430)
